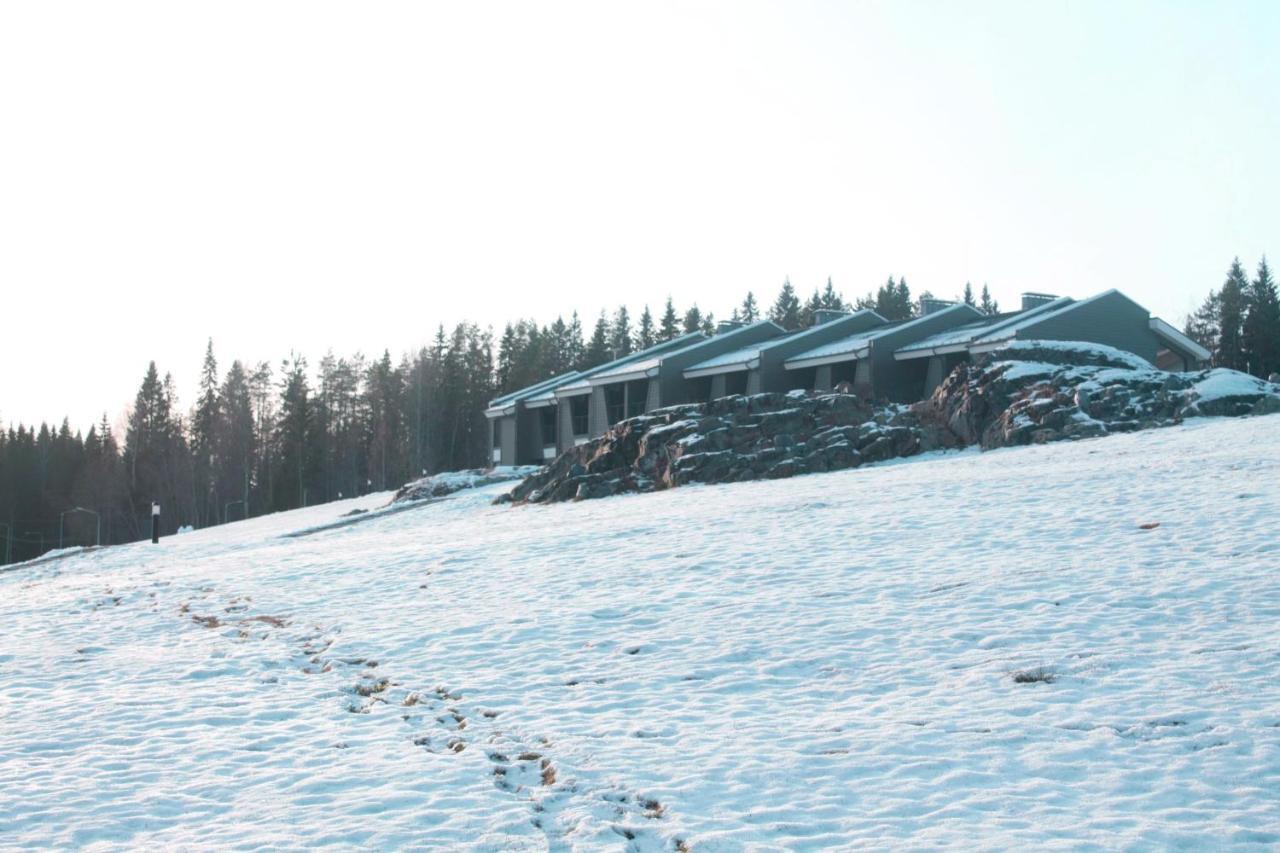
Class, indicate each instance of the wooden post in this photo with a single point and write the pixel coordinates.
(155, 523)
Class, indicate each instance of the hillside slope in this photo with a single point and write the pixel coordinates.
(969, 649)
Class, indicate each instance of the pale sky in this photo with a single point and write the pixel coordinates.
(299, 176)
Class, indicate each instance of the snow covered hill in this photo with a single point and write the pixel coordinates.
(1067, 644)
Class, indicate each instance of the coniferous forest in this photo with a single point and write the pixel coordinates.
(261, 438)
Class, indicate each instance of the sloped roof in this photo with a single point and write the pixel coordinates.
(744, 356)
(497, 406)
(581, 384)
(859, 344)
(1172, 336)
(960, 337)
(1026, 319)
(641, 368)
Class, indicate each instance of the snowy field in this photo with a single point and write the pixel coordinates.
(968, 650)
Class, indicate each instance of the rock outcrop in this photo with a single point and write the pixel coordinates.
(733, 439)
(1030, 392)
(439, 485)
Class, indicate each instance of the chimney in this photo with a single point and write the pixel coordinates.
(826, 315)
(1035, 300)
(728, 326)
(929, 305)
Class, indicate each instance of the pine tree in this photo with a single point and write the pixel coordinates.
(786, 308)
(1261, 329)
(670, 326)
(692, 320)
(575, 348)
(811, 306)
(1202, 326)
(708, 326)
(597, 352)
(204, 423)
(831, 300)
(987, 305)
(968, 295)
(620, 333)
(646, 334)
(893, 300)
(903, 304)
(750, 312)
(1231, 318)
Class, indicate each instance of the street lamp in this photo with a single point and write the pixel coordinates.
(63, 516)
(227, 508)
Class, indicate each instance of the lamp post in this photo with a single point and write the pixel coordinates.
(65, 513)
(227, 508)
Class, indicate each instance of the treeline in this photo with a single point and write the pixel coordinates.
(1240, 322)
(261, 439)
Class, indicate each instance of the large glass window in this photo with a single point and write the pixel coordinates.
(637, 397)
(578, 414)
(547, 421)
(735, 383)
(615, 402)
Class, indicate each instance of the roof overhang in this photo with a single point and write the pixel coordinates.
(615, 378)
(993, 344)
(930, 351)
(575, 391)
(540, 404)
(819, 361)
(734, 367)
(500, 411)
(1171, 334)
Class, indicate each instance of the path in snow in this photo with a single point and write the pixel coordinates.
(818, 661)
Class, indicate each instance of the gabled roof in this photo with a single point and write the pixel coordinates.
(648, 366)
(997, 337)
(1169, 334)
(859, 345)
(582, 385)
(748, 357)
(957, 339)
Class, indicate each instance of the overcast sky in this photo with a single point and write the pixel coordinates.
(299, 176)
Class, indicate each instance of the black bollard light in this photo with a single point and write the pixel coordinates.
(155, 523)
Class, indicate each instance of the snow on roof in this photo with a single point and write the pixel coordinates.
(638, 369)
(524, 393)
(961, 336)
(581, 384)
(1025, 319)
(856, 345)
(742, 355)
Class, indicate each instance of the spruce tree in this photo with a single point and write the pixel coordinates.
(620, 333)
(1231, 318)
(831, 300)
(988, 305)
(1261, 330)
(811, 306)
(203, 440)
(903, 305)
(692, 320)
(646, 332)
(786, 308)
(670, 326)
(750, 312)
(968, 295)
(708, 326)
(597, 352)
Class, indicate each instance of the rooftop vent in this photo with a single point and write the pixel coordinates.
(1035, 300)
(826, 315)
(929, 305)
(728, 326)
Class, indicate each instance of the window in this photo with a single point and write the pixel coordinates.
(615, 402)
(637, 397)
(547, 420)
(735, 383)
(497, 432)
(578, 414)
